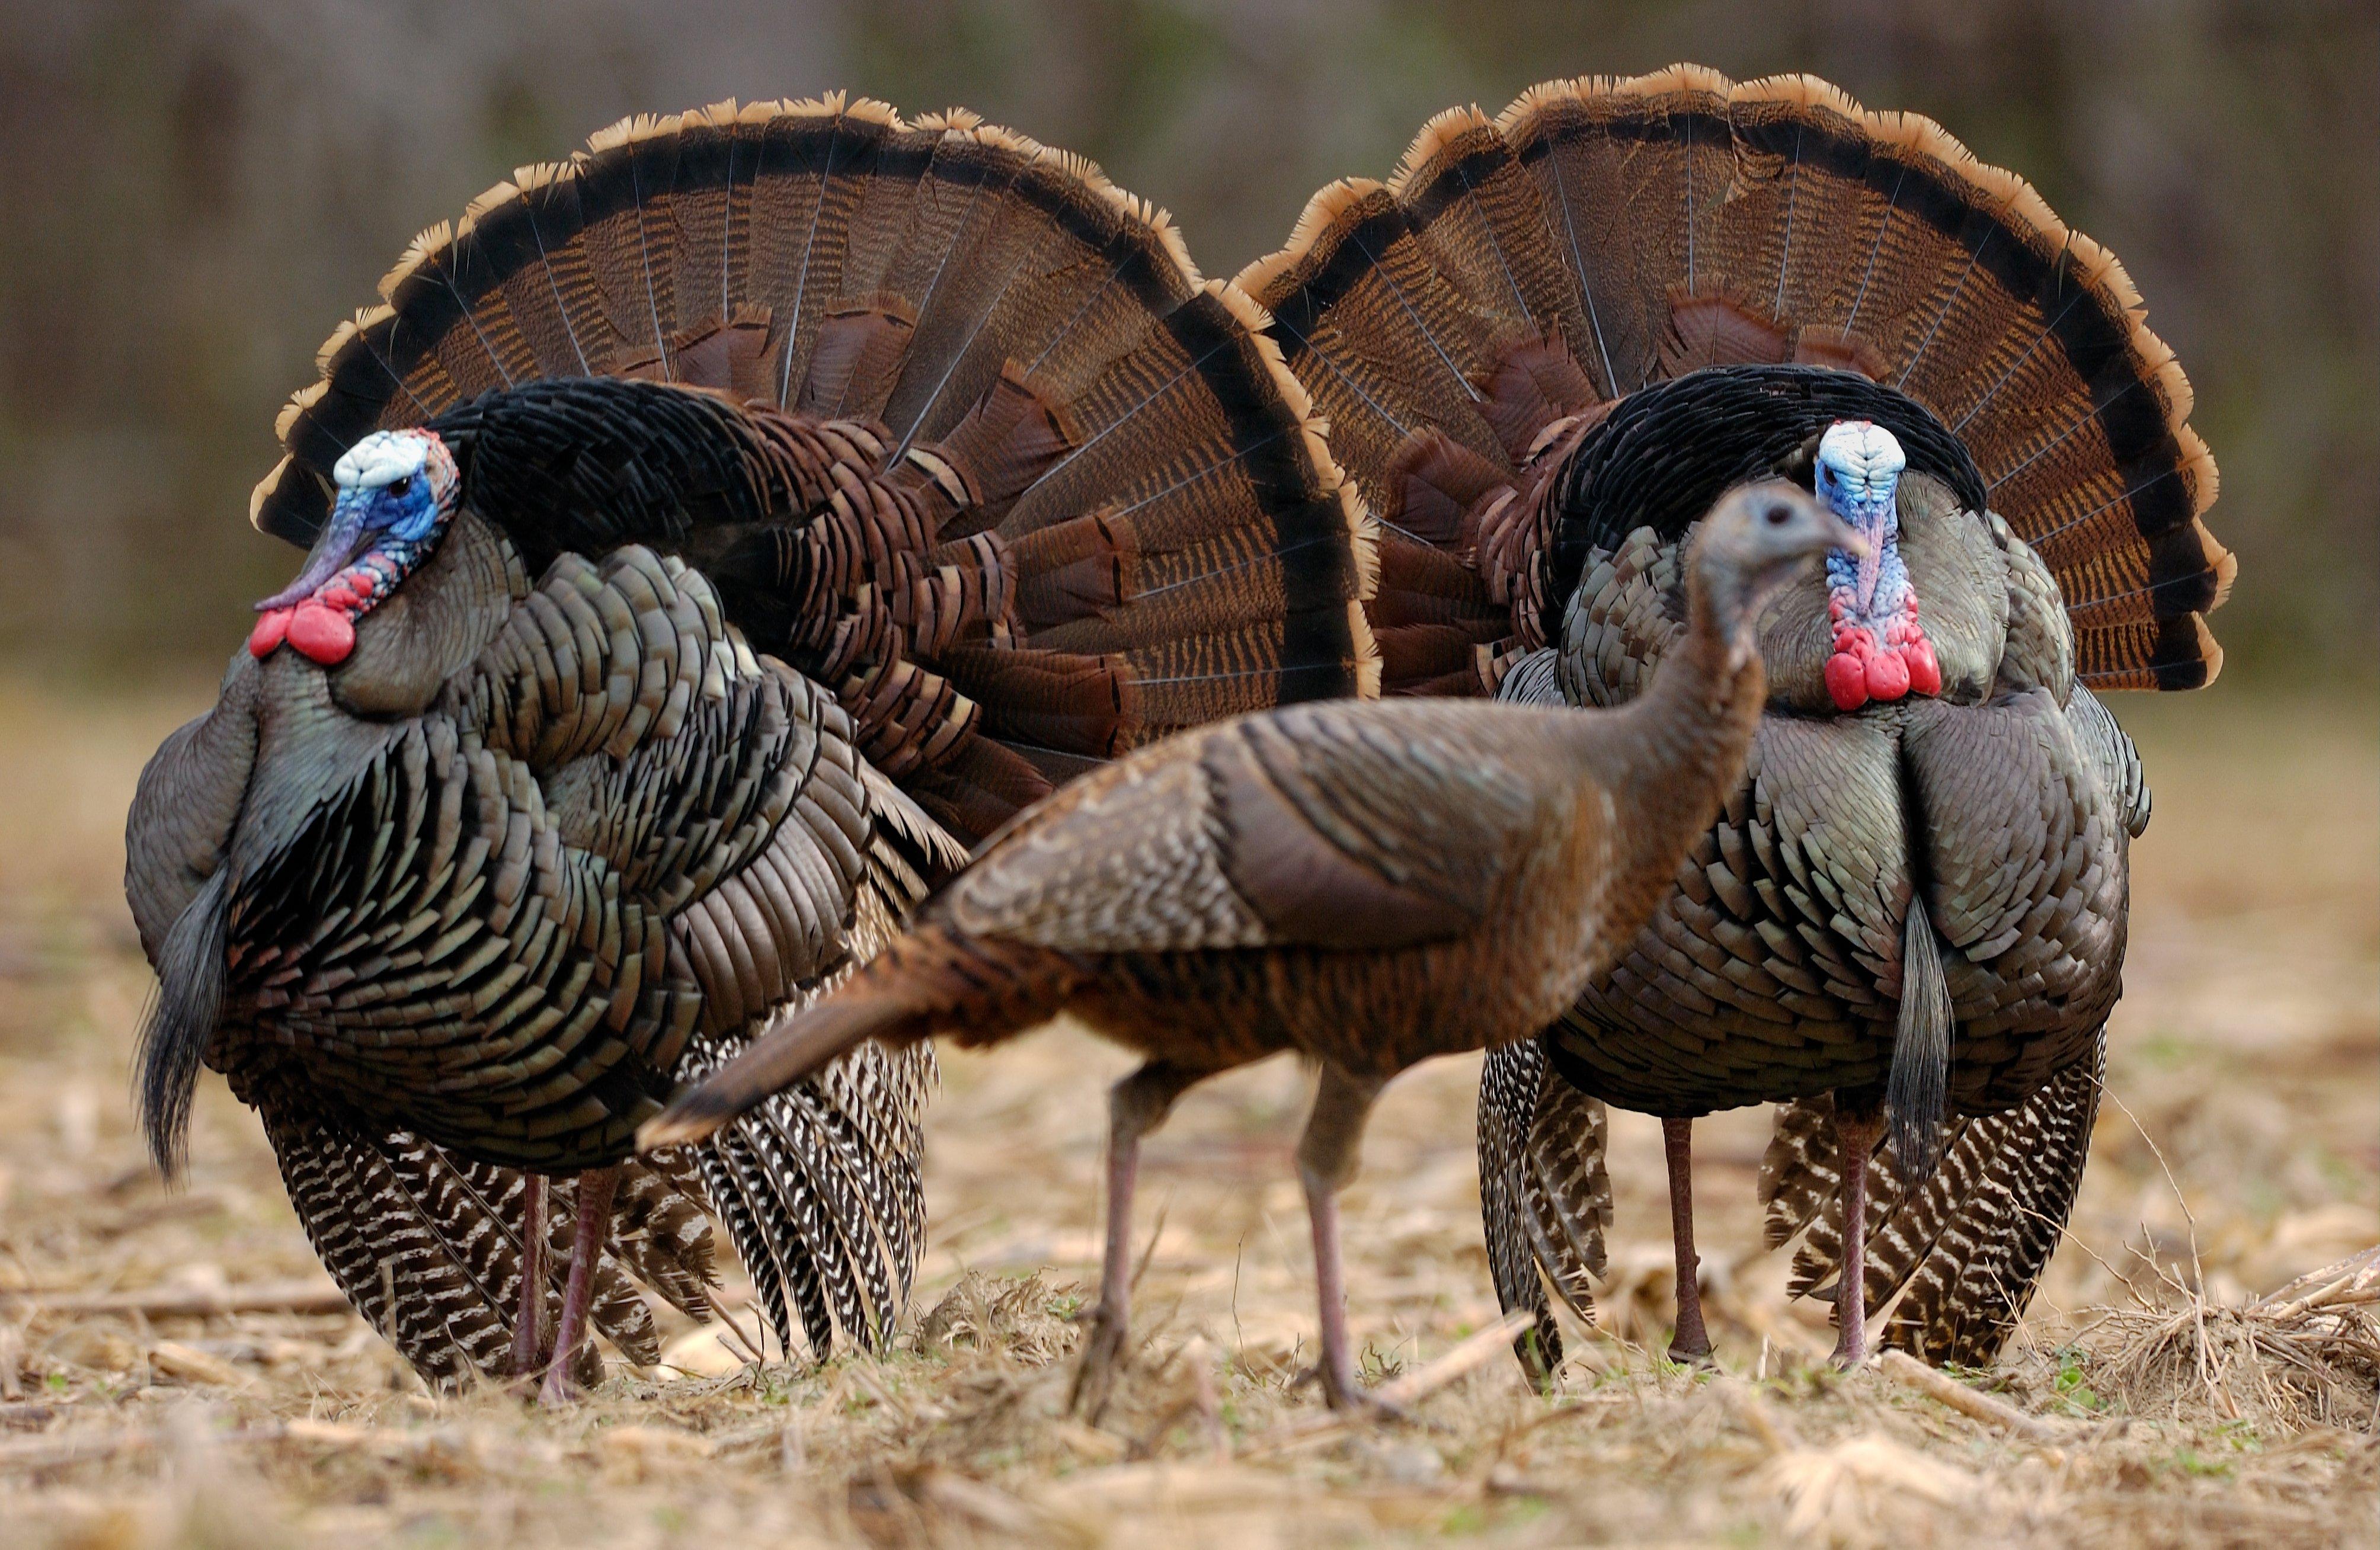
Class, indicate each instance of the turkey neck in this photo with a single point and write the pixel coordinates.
(1670, 756)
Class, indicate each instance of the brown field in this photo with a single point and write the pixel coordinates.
(2245, 1151)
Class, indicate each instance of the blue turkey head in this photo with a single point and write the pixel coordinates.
(1880, 649)
(396, 494)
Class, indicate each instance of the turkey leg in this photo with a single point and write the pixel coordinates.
(1135, 1106)
(587, 1239)
(528, 1331)
(1692, 1343)
(1326, 1159)
(1857, 1127)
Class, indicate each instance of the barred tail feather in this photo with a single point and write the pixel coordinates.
(426, 1246)
(1963, 1251)
(661, 1233)
(1507, 1085)
(1544, 1193)
(818, 1182)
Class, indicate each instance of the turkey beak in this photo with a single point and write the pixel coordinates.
(342, 536)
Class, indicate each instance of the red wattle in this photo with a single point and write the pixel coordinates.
(338, 595)
(1925, 673)
(1888, 675)
(323, 634)
(1847, 680)
(269, 629)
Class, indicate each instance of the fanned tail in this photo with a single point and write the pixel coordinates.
(1518, 277)
(1963, 1249)
(986, 457)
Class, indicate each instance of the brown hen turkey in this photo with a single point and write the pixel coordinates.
(1542, 348)
(1369, 884)
(710, 535)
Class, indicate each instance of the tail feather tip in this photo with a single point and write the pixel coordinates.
(693, 1116)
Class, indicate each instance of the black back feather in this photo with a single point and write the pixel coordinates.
(590, 462)
(1672, 449)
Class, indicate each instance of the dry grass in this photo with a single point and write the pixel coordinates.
(2163, 1402)
(2305, 1356)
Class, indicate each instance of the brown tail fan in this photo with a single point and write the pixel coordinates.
(976, 319)
(1600, 234)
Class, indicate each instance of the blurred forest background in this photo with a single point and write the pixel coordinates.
(196, 190)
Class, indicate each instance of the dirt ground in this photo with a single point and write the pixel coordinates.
(2245, 1151)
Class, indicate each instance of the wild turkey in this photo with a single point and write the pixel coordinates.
(1370, 884)
(874, 478)
(1543, 347)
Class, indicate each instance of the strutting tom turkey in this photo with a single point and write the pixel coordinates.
(710, 535)
(1543, 347)
(1369, 884)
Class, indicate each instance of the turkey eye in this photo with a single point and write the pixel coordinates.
(1779, 516)
(399, 485)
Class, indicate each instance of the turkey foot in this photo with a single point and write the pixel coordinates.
(1354, 1399)
(593, 1226)
(1691, 1345)
(1857, 1126)
(1135, 1106)
(1343, 1388)
(1097, 1365)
